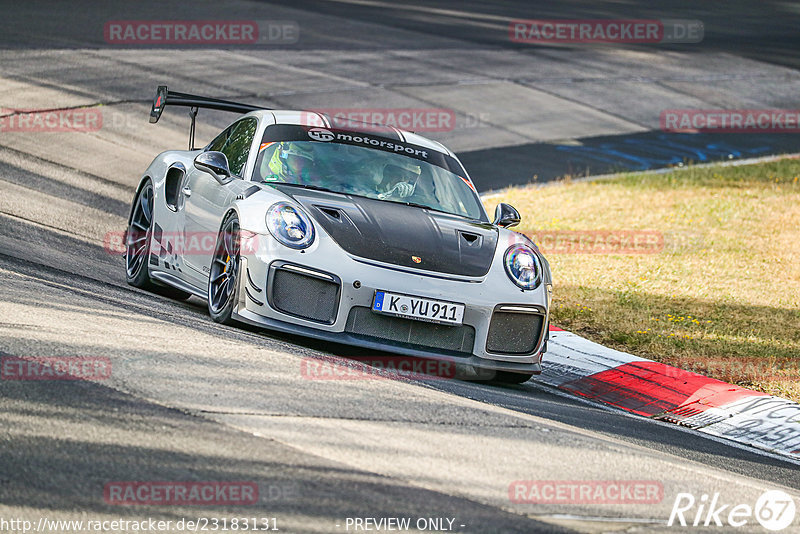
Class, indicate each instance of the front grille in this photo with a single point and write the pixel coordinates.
(363, 321)
(300, 295)
(514, 333)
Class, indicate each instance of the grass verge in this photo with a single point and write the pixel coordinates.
(697, 268)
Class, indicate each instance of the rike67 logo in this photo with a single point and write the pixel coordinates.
(774, 510)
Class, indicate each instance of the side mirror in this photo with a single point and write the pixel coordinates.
(215, 164)
(506, 216)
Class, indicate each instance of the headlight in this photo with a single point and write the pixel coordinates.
(523, 266)
(290, 226)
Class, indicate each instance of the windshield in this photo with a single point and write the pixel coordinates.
(372, 173)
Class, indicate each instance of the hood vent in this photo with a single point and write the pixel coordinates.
(332, 213)
(401, 235)
(469, 239)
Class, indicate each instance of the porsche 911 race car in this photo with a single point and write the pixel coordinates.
(364, 235)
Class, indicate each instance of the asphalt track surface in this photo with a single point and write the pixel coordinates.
(192, 400)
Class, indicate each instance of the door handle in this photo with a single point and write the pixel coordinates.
(187, 191)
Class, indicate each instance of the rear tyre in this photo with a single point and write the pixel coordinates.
(137, 247)
(137, 240)
(223, 280)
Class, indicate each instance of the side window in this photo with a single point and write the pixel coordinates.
(217, 144)
(237, 146)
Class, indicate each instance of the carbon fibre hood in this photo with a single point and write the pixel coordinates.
(400, 235)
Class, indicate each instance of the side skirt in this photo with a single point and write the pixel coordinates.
(174, 281)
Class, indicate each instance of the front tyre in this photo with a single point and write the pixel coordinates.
(223, 279)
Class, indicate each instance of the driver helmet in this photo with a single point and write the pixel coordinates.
(292, 161)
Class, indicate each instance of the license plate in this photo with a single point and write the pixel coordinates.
(421, 309)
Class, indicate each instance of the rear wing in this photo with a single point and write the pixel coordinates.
(166, 97)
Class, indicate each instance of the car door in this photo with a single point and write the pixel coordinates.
(207, 200)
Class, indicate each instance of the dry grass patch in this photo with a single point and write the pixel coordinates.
(721, 297)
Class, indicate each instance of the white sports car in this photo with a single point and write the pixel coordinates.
(364, 235)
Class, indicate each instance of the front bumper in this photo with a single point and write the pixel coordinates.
(354, 281)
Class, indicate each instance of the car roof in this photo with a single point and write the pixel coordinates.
(312, 118)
